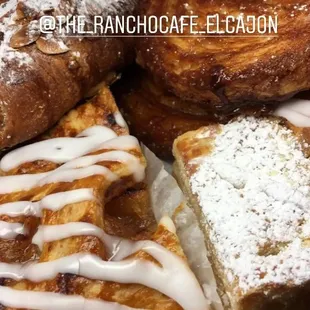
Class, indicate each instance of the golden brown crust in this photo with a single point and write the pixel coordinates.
(34, 96)
(226, 73)
(180, 174)
(153, 115)
(122, 209)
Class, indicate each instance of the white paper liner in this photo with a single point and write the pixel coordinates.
(166, 197)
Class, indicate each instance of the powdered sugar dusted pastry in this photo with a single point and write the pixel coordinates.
(248, 182)
(44, 76)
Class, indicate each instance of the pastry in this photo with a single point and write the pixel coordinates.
(225, 73)
(76, 228)
(153, 115)
(43, 76)
(248, 183)
(157, 117)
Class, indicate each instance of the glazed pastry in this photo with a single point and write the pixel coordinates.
(248, 183)
(44, 76)
(70, 234)
(225, 73)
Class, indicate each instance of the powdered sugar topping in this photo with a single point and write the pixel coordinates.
(39, 5)
(254, 190)
(12, 59)
(9, 55)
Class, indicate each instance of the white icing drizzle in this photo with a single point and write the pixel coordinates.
(14, 183)
(18, 208)
(49, 233)
(70, 175)
(132, 162)
(53, 202)
(121, 143)
(296, 111)
(120, 120)
(117, 248)
(59, 150)
(51, 301)
(165, 279)
(68, 151)
(11, 230)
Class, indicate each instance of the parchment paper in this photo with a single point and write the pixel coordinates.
(166, 197)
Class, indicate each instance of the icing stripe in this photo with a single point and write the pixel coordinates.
(51, 301)
(58, 150)
(165, 279)
(69, 172)
(120, 120)
(11, 230)
(121, 143)
(62, 150)
(118, 248)
(15, 183)
(50, 233)
(70, 175)
(132, 162)
(53, 202)
(18, 208)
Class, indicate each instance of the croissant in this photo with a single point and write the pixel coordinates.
(44, 76)
(226, 73)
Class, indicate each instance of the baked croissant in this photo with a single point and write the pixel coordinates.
(226, 73)
(44, 76)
